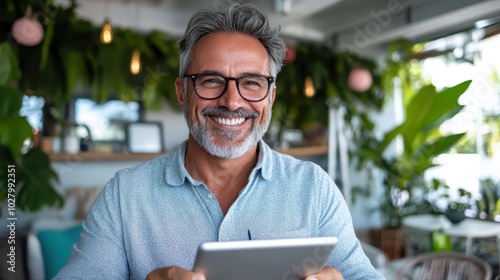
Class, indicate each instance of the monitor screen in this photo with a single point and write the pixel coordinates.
(106, 121)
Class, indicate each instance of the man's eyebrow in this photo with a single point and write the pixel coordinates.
(214, 72)
(253, 73)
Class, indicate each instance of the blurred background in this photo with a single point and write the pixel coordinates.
(398, 100)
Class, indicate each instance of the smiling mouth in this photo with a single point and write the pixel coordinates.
(225, 121)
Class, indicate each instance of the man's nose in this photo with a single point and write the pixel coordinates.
(232, 98)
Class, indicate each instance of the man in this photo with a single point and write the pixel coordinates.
(224, 180)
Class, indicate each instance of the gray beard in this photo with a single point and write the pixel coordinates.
(228, 149)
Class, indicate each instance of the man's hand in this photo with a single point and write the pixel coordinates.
(327, 273)
(174, 273)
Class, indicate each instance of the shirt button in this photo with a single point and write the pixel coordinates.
(210, 196)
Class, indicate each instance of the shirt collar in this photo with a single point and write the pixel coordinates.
(264, 162)
(176, 173)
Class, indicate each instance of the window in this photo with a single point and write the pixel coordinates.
(480, 118)
(478, 155)
(106, 121)
(32, 109)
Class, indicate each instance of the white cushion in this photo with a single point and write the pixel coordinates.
(35, 264)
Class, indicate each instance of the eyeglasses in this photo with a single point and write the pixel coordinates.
(252, 88)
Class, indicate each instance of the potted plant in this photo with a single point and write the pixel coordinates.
(26, 177)
(454, 207)
(403, 174)
(488, 206)
(422, 141)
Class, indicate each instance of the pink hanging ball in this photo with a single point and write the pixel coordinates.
(291, 54)
(27, 31)
(359, 79)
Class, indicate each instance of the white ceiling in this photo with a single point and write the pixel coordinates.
(358, 25)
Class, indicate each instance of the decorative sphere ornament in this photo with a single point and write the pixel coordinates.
(291, 54)
(27, 31)
(359, 79)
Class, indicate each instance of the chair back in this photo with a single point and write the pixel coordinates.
(445, 266)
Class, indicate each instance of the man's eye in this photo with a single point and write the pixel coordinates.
(255, 83)
(211, 81)
(250, 82)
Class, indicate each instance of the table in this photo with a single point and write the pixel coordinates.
(468, 228)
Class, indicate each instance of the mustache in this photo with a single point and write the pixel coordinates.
(225, 112)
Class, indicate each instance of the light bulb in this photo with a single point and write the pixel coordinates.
(309, 90)
(106, 33)
(135, 63)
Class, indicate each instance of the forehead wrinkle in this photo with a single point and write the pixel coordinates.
(239, 53)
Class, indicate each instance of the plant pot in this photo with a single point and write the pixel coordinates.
(455, 216)
(389, 240)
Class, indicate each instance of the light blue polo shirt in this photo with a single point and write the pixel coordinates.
(156, 215)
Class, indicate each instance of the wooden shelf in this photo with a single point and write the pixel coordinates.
(305, 151)
(91, 156)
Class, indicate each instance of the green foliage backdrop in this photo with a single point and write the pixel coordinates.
(71, 53)
(329, 71)
(71, 56)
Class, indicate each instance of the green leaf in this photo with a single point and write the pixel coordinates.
(445, 105)
(418, 109)
(159, 41)
(36, 181)
(74, 66)
(5, 65)
(47, 39)
(496, 211)
(15, 129)
(152, 100)
(9, 68)
(389, 137)
(11, 101)
(437, 147)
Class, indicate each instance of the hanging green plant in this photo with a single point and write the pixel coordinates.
(71, 55)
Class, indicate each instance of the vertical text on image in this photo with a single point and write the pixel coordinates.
(11, 217)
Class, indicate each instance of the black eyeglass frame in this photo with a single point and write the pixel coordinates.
(193, 77)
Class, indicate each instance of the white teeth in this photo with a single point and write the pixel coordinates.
(229, 121)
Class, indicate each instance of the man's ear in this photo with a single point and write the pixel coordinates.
(179, 91)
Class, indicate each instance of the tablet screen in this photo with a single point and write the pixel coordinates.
(264, 259)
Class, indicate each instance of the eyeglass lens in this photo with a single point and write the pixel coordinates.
(251, 87)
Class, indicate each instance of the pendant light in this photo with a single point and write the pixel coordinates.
(309, 90)
(107, 30)
(135, 62)
(106, 33)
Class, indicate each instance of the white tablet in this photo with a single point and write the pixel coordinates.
(274, 259)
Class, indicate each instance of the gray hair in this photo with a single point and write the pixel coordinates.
(243, 18)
